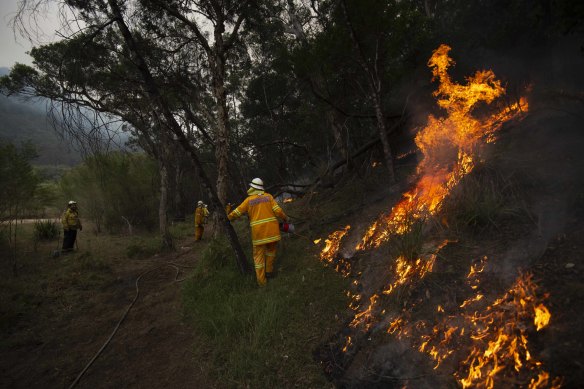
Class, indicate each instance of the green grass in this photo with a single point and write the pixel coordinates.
(47, 288)
(264, 337)
(483, 201)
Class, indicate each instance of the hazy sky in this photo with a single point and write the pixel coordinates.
(13, 49)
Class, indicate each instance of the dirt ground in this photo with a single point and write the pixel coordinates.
(153, 347)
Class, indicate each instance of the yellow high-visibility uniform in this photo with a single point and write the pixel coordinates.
(70, 220)
(263, 212)
(201, 214)
(71, 223)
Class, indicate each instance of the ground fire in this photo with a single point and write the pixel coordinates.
(485, 338)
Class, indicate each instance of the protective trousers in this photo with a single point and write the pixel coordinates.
(69, 237)
(199, 232)
(264, 257)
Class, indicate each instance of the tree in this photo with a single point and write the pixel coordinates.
(18, 183)
(126, 51)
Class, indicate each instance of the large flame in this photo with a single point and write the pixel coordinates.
(487, 341)
(448, 145)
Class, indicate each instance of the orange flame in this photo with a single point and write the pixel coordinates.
(498, 335)
(448, 145)
(329, 254)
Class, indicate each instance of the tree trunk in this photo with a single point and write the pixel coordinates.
(217, 65)
(336, 128)
(384, 137)
(222, 137)
(163, 207)
(179, 206)
(158, 101)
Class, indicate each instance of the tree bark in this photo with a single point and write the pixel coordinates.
(158, 101)
(384, 137)
(163, 207)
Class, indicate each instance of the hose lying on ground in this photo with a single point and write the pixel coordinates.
(171, 264)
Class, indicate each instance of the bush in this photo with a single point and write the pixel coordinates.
(45, 230)
(482, 200)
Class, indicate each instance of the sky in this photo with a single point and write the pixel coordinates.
(13, 48)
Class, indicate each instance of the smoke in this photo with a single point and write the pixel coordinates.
(546, 154)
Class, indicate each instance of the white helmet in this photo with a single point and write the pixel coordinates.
(257, 183)
(199, 203)
(71, 202)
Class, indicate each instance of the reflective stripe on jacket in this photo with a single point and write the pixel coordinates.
(262, 210)
(201, 214)
(70, 220)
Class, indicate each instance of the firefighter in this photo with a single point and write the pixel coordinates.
(201, 215)
(263, 212)
(71, 223)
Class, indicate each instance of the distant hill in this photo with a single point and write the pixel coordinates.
(23, 121)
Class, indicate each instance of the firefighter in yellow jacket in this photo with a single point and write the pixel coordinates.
(71, 223)
(201, 215)
(263, 211)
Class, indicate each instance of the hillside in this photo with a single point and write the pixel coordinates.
(22, 121)
(475, 283)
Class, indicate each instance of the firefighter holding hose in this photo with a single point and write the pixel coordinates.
(201, 215)
(263, 212)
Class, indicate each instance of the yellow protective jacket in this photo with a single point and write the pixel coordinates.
(262, 210)
(70, 220)
(201, 214)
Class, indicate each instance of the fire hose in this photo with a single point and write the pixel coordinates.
(171, 264)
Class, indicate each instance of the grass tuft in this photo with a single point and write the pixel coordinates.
(45, 230)
(483, 201)
(262, 337)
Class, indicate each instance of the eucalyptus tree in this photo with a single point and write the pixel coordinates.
(124, 38)
(211, 27)
(81, 75)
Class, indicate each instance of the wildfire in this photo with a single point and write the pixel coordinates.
(447, 144)
(495, 340)
(488, 340)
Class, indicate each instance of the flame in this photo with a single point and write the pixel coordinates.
(489, 338)
(328, 255)
(288, 200)
(317, 241)
(542, 317)
(500, 343)
(448, 146)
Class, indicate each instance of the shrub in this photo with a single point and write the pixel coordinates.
(45, 230)
(482, 200)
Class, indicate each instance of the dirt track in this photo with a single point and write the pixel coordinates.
(152, 348)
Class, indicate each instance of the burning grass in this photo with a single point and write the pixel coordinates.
(482, 340)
